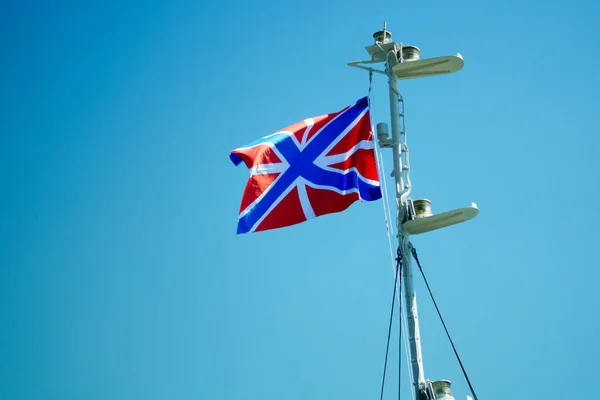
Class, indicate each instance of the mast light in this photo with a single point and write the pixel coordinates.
(441, 390)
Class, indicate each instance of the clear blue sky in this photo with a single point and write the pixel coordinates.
(121, 276)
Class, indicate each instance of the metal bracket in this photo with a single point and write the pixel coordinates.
(357, 64)
(386, 143)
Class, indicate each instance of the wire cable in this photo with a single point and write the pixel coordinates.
(414, 253)
(397, 278)
(400, 327)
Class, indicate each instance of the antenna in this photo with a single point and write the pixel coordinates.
(383, 36)
(413, 217)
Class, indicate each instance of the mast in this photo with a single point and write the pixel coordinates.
(401, 177)
(413, 217)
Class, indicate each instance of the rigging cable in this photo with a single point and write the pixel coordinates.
(388, 218)
(414, 253)
(379, 160)
(400, 327)
(397, 279)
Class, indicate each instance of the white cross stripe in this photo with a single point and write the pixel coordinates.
(309, 124)
(261, 169)
(304, 202)
(338, 158)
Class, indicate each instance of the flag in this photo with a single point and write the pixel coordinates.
(318, 166)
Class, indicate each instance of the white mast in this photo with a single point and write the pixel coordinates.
(413, 217)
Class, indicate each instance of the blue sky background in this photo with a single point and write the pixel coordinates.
(121, 276)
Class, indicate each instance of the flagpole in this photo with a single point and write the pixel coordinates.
(402, 191)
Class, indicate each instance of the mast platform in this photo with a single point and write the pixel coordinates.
(437, 221)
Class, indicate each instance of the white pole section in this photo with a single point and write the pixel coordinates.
(403, 239)
(396, 148)
(414, 337)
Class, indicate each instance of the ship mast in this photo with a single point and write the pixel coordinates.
(413, 216)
